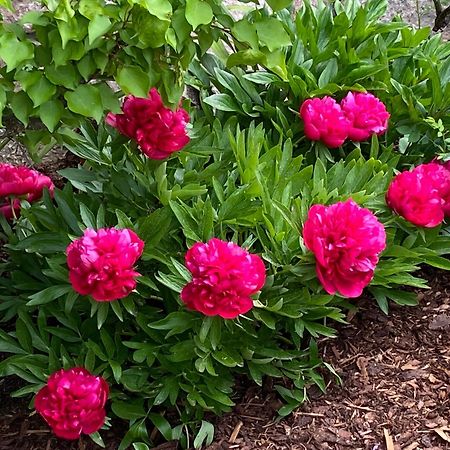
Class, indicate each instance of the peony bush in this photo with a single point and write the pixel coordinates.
(222, 236)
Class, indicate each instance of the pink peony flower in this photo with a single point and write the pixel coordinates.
(346, 241)
(367, 115)
(224, 276)
(421, 196)
(20, 182)
(101, 263)
(158, 130)
(73, 402)
(439, 175)
(324, 121)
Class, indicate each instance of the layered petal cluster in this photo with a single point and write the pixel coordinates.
(357, 117)
(158, 130)
(421, 196)
(73, 402)
(346, 240)
(18, 182)
(324, 121)
(101, 263)
(224, 276)
(367, 115)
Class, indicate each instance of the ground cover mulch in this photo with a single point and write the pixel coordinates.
(395, 392)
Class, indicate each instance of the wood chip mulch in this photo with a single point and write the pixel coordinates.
(395, 395)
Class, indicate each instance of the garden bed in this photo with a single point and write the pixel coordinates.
(395, 369)
(395, 374)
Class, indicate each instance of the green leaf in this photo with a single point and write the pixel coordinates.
(22, 106)
(159, 8)
(131, 410)
(51, 113)
(152, 30)
(245, 31)
(49, 294)
(176, 322)
(437, 261)
(276, 5)
(62, 76)
(272, 34)
(44, 243)
(90, 9)
(13, 51)
(162, 425)
(133, 80)
(85, 100)
(97, 439)
(7, 4)
(205, 434)
(198, 12)
(98, 27)
(248, 57)
(42, 91)
(222, 102)
(87, 216)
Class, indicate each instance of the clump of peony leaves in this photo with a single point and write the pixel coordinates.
(167, 278)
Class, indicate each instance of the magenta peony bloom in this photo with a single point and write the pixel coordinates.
(224, 276)
(101, 263)
(367, 115)
(158, 130)
(346, 241)
(73, 402)
(20, 182)
(421, 196)
(324, 121)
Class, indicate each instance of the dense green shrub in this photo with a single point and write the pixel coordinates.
(249, 176)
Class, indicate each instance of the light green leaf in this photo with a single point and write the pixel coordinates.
(222, 102)
(198, 12)
(13, 51)
(205, 434)
(7, 4)
(90, 8)
(272, 34)
(85, 100)
(99, 26)
(133, 80)
(276, 5)
(159, 8)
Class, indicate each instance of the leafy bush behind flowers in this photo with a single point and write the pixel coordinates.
(248, 176)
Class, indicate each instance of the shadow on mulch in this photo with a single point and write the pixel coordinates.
(396, 388)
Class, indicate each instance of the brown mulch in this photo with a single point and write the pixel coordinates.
(395, 395)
